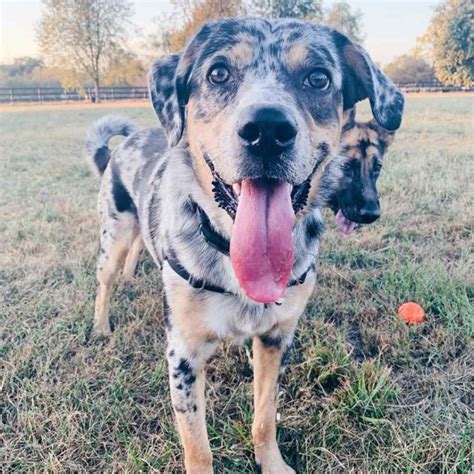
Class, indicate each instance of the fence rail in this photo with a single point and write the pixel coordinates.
(430, 86)
(57, 94)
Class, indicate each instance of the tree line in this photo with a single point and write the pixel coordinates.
(87, 42)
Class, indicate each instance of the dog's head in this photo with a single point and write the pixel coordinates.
(363, 146)
(261, 102)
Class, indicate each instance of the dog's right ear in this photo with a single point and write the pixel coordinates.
(168, 83)
(348, 119)
(165, 96)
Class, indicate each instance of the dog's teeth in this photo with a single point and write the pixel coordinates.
(237, 187)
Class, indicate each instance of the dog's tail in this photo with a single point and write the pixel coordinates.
(98, 136)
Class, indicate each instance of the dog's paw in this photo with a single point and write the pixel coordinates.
(129, 279)
(274, 464)
(274, 468)
(101, 330)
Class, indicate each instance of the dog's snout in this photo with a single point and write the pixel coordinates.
(270, 130)
(369, 213)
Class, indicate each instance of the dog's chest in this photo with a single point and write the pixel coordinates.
(237, 319)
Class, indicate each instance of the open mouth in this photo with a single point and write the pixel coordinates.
(227, 196)
(261, 245)
(345, 225)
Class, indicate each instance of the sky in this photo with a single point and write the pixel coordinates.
(390, 26)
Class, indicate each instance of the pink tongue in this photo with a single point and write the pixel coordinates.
(344, 224)
(261, 246)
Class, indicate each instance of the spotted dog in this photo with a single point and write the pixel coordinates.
(355, 199)
(224, 198)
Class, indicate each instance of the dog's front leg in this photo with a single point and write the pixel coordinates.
(187, 354)
(269, 360)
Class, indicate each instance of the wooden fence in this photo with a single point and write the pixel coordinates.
(431, 86)
(57, 94)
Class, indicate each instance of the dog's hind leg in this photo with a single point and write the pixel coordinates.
(132, 259)
(118, 233)
(269, 359)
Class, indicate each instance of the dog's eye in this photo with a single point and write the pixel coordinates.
(318, 79)
(377, 166)
(218, 74)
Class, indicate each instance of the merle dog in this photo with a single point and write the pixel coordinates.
(225, 199)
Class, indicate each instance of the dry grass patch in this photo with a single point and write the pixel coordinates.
(364, 392)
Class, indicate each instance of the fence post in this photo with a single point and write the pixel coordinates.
(39, 95)
(11, 96)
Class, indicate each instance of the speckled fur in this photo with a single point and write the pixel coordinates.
(157, 177)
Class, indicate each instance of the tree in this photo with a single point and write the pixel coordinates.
(451, 38)
(310, 10)
(189, 15)
(83, 36)
(341, 17)
(126, 70)
(198, 12)
(409, 68)
(23, 66)
(187, 18)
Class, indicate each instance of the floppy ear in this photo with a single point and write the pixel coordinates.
(165, 96)
(168, 82)
(362, 79)
(385, 136)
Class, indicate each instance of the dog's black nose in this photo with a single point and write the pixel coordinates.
(268, 130)
(369, 213)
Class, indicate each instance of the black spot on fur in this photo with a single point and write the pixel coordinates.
(269, 341)
(166, 317)
(101, 158)
(122, 199)
(313, 230)
(363, 145)
(185, 370)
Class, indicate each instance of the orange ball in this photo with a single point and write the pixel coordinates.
(412, 313)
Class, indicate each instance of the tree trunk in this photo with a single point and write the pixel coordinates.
(96, 97)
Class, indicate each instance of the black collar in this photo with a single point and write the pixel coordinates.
(211, 236)
(220, 243)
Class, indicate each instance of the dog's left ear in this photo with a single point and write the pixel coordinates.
(362, 79)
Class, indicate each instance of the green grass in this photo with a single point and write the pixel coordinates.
(364, 392)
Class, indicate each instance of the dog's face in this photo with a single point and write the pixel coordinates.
(264, 99)
(357, 199)
(261, 102)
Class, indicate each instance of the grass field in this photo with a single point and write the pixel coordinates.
(364, 392)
